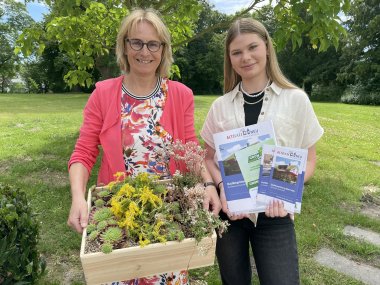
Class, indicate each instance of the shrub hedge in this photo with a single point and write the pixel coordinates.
(20, 262)
(358, 94)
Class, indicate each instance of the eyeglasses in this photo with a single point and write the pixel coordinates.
(137, 44)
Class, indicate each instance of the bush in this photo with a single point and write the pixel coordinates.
(17, 87)
(358, 94)
(326, 93)
(20, 262)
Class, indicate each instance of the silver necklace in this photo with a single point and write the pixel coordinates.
(253, 103)
(253, 95)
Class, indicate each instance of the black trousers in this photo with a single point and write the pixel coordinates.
(274, 247)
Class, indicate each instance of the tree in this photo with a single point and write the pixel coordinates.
(361, 53)
(201, 61)
(43, 73)
(318, 19)
(305, 66)
(13, 18)
(86, 30)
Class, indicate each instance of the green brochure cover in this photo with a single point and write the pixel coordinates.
(249, 160)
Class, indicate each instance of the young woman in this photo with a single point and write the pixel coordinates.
(256, 90)
(132, 117)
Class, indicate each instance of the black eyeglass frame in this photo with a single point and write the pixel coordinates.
(144, 43)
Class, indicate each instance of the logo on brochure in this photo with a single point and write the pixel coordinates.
(243, 133)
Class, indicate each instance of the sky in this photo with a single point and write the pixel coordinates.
(36, 10)
(230, 6)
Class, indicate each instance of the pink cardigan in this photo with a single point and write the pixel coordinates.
(102, 126)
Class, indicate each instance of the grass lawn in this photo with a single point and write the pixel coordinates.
(38, 133)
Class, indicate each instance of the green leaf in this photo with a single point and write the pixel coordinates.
(41, 48)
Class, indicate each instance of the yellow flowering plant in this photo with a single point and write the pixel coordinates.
(145, 209)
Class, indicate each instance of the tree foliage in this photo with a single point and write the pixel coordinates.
(13, 18)
(307, 67)
(304, 66)
(44, 73)
(361, 53)
(201, 61)
(318, 19)
(86, 30)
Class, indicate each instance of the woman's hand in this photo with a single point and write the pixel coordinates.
(275, 209)
(231, 216)
(78, 217)
(211, 200)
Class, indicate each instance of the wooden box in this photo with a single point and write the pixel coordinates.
(134, 262)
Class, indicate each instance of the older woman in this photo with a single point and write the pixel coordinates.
(132, 117)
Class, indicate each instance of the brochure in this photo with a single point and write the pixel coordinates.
(286, 178)
(239, 154)
(249, 163)
(265, 171)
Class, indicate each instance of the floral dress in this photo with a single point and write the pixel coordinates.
(144, 140)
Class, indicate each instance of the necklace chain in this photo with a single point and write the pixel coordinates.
(253, 95)
(253, 103)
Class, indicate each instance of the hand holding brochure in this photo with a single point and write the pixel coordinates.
(282, 174)
(239, 155)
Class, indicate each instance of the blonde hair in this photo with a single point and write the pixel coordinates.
(129, 24)
(251, 26)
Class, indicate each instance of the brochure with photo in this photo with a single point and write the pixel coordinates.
(232, 148)
(286, 178)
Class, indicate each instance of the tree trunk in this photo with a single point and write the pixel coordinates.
(2, 83)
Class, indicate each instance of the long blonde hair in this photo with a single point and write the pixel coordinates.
(251, 26)
(129, 24)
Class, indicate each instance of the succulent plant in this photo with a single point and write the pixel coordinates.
(103, 193)
(112, 222)
(93, 235)
(102, 214)
(112, 235)
(107, 248)
(102, 225)
(91, 228)
(141, 210)
(99, 203)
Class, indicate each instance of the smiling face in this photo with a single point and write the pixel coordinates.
(248, 56)
(143, 62)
